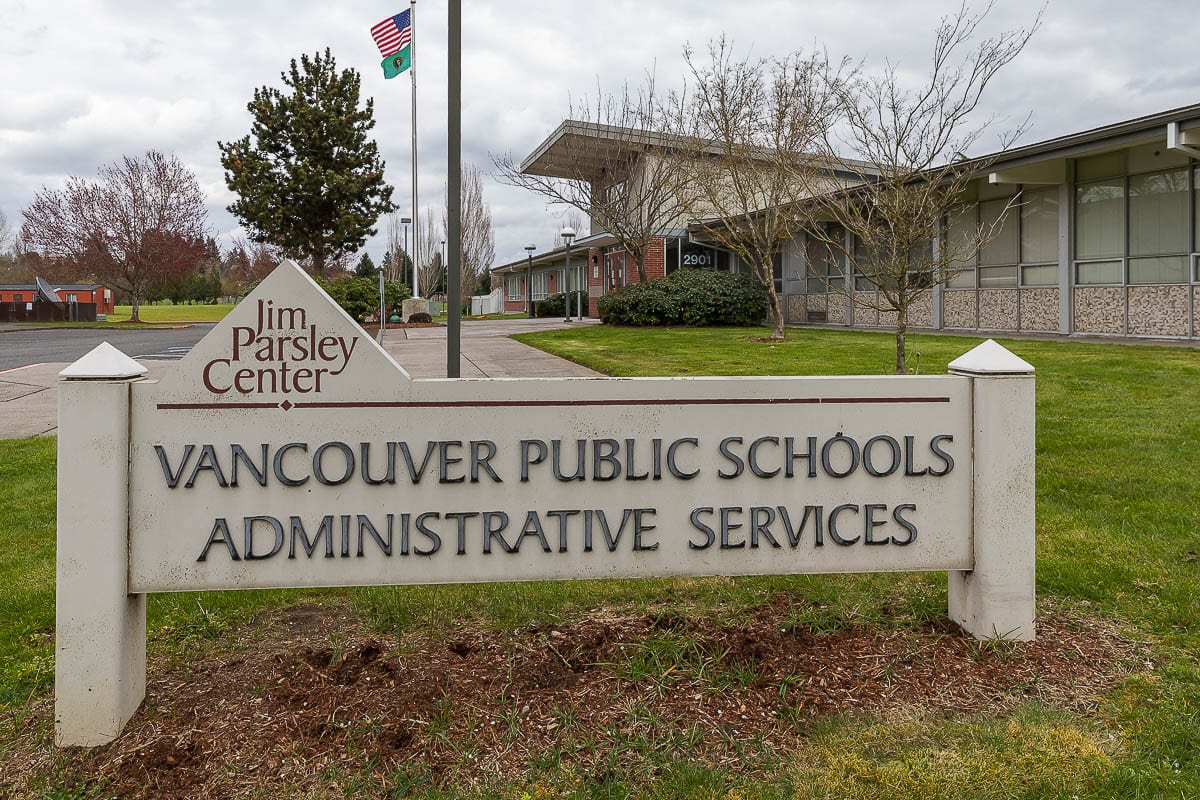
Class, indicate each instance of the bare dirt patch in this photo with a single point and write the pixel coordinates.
(308, 693)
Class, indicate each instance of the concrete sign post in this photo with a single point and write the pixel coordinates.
(100, 641)
(287, 449)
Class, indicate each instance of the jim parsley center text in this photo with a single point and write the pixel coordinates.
(600, 460)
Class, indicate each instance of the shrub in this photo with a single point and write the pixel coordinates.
(420, 316)
(553, 305)
(360, 296)
(688, 297)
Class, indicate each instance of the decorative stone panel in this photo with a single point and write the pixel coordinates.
(887, 319)
(836, 309)
(818, 302)
(958, 309)
(865, 315)
(998, 309)
(1158, 310)
(920, 312)
(795, 308)
(1099, 309)
(1039, 310)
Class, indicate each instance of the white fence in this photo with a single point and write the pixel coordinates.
(488, 304)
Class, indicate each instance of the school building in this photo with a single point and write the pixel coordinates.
(1103, 237)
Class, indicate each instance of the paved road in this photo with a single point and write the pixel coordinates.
(29, 390)
(19, 348)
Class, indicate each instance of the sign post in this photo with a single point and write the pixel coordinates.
(287, 449)
(100, 641)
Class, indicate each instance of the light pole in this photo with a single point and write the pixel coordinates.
(529, 248)
(416, 292)
(382, 316)
(445, 278)
(568, 235)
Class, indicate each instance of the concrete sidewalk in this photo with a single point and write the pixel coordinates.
(29, 394)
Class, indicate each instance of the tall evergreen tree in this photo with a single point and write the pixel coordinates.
(366, 267)
(308, 178)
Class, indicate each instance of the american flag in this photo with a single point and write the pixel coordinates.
(393, 34)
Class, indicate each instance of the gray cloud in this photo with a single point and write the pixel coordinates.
(128, 75)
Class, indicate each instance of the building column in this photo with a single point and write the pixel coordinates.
(1065, 201)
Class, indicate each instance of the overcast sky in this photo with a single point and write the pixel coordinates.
(85, 82)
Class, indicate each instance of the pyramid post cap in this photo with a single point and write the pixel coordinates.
(990, 358)
(103, 362)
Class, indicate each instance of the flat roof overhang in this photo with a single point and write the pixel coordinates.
(559, 254)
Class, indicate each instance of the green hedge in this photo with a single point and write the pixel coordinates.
(552, 306)
(688, 297)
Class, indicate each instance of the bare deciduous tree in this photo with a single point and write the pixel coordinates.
(430, 271)
(905, 148)
(751, 126)
(613, 166)
(575, 221)
(139, 224)
(478, 240)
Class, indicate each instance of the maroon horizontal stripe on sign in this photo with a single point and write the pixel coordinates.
(737, 401)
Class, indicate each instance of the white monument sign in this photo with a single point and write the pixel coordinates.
(288, 449)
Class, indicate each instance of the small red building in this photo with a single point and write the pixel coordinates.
(96, 293)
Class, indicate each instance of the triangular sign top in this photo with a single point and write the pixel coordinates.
(101, 362)
(286, 343)
(991, 358)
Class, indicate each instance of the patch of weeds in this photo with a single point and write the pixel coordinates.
(1000, 647)
(662, 659)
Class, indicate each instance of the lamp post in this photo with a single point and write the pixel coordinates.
(529, 248)
(382, 315)
(568, 236)
(416, 291)
(445, 278)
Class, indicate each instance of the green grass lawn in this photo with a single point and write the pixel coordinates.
(173, 313)
(1118, 503)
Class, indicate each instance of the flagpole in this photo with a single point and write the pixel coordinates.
(416, 212)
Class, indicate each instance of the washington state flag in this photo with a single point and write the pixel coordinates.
(393, 36)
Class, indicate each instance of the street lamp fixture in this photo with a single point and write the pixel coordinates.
(568, 236)
(529, 248)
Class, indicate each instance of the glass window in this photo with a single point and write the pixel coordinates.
(1196, 206)
(698, 256)
(1098, 272)
(998, 229)
(822, 265)
(512, 287)
(1100, 219)
(1039, 226)
(541, 285)
(671, 256)
(1039, 275)
(1158, 213)
(1164, 269)
(997, 277)
(962, 279)
(962, 231)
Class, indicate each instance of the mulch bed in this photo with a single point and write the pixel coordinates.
(308, 687)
